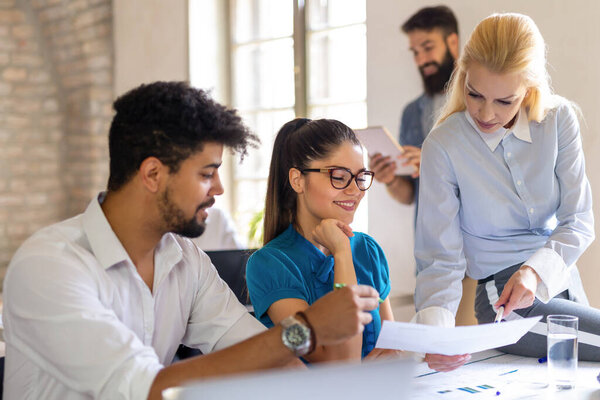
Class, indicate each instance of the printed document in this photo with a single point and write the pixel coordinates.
(451, 341)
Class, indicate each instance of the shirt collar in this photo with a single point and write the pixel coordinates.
(520, 129)
(104, 243)
(107, 247)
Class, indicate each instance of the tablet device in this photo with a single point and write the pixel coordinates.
(377, 139)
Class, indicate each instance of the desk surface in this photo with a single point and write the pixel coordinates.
(349, 381)
(515, 377)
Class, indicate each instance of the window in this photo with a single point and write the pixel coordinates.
(336, 44)
(291, 58)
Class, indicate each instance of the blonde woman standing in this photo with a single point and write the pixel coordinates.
(504, 195)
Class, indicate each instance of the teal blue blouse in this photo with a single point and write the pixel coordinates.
(289, 266)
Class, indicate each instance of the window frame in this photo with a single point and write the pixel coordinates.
(302, 105)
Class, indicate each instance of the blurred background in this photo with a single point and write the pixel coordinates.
(63, 62)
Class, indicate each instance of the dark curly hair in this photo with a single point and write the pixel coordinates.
(169, 121)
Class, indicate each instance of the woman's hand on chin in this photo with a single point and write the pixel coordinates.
(333, 234)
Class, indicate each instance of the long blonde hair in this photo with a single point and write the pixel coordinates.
(505, 43)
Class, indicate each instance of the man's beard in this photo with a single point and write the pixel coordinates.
(436, 83)
(175, 220)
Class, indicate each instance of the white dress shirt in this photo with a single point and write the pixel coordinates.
(80, 322)
(490, 201)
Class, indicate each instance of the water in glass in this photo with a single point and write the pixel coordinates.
(562, 359)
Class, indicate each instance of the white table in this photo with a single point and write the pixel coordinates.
(514, 377)
(388, 379)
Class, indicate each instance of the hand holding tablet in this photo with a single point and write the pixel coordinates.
(377, 139)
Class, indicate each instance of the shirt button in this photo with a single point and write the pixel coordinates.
(531, 211)
(519, 183)
(508, 154)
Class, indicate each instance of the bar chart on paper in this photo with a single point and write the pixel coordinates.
(492, 374)
(482, 379)
(482, 391)
(459, 392)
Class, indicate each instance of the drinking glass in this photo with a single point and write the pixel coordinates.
(562, 350)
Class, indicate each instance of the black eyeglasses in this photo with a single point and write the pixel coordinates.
(341, 177)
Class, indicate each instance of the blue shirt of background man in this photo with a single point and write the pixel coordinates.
(289, 266)
(417, 120)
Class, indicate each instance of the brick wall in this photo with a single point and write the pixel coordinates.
(56, 75)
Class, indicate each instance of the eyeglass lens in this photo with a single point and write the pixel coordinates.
(340, 179)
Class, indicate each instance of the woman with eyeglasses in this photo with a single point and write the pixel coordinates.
(317, 179)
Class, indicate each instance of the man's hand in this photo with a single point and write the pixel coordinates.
(336, 317)
(443, 363)
(412, 156)
(384, 168)
(519, 291)
(342, 314)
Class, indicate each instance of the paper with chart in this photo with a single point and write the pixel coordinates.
(450, 341)
(488, 375)
(377, 139)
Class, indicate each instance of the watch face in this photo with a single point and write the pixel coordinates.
(296, 335)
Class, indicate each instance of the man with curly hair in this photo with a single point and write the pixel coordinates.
(96, 306)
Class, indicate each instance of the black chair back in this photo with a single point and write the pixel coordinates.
(1, 377)
(231, 265)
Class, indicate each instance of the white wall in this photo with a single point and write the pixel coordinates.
(151, 42)
(572, 33)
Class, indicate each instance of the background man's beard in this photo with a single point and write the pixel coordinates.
(436, 83)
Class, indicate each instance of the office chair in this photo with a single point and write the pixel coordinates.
(231, 266)
(1, 377)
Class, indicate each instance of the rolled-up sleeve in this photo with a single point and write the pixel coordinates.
(438, 241)
(63, 327)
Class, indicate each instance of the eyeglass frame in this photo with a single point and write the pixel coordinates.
(352, 176)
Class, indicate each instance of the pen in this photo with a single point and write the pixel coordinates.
(499, 314)
(341, 285)
(542, 360)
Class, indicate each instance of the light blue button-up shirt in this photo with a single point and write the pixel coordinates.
(490, 201)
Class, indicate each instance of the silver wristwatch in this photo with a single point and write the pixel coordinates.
(296, 336)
